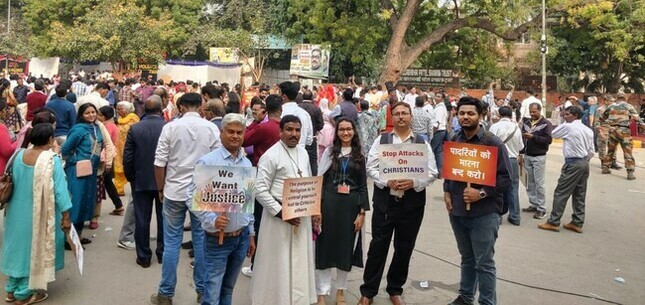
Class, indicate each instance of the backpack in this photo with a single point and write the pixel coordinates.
(386, 138)
(488, 140)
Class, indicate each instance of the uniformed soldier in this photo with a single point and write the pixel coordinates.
(619, 115)
(602, 130)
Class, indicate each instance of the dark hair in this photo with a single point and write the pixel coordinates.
(470, 101)
(39, 85)
(397, 104)
(211, 91)
(101, 85)
(575, 110)
(274, 103)
(365, 105)
(419, 101)
(289, 89)
(164, 93)
(538, 105)
(81, 110)
(44, 116)
(307, 95)
(41, 134)
(348, 94)
(191, 100)
(289, 119)
(256, 100)
(61, 90)
(530, 92)
(505, 112)
(357, 154)
(107, 112)
(3, 104)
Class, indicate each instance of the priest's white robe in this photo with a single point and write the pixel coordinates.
(283, 272)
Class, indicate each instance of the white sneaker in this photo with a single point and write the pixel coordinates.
(247, 271)
(128, 245)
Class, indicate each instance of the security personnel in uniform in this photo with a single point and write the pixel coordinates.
(619, 115)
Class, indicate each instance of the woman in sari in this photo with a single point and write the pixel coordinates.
(127, 118)
(13, 119)
(343, 206)
(84, 142)
(36, 217)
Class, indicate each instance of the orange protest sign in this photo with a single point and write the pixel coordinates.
(301, 197)
(476, 164)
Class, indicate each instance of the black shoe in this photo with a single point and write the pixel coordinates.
(143, 264)
(615, 166)
(160, 259)
(460, 301)
(187, 245)
(191, 253)
(85, 241)
(539, 215)
(530, 209)
(513, 222)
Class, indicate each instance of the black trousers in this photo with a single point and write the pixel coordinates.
(312, 151)
(257, 214)
(404, 224)
(143, 202)
(110, 189)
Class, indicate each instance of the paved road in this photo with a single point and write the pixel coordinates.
(534, 266)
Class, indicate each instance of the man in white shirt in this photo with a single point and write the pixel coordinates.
(511, 136)
(441, 116)
(283, 271)
(524, 109)
(578, 149)
(411, 97)
(181, 144)
(97, 97)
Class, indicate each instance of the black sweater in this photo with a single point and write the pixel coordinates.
(538, 145)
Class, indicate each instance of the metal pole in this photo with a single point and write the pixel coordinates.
(544, 51)
(8, 27)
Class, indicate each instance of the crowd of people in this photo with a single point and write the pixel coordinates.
(69, 143)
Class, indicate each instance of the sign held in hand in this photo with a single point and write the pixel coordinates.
(301, 197)
(224, 189)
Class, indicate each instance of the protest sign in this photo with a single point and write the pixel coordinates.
(476, 164)
(224, 189)
(301, 197)
(77, 248)
(403, 161)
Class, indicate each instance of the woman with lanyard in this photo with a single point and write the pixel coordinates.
(344, 202)
(81, 153)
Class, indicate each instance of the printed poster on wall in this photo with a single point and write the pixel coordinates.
(224, 189)
(310, 60)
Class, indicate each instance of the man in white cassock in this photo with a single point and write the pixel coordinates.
(283, 272)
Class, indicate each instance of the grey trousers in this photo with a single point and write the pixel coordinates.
(129, 221)
(572, 183)
(535, 167)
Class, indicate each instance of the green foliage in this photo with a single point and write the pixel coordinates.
(604, 39)
(17, 41)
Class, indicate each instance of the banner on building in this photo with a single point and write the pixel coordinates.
(224, 55)
(310, 60)
(430, 78)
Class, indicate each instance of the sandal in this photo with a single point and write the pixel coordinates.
(85, 241)
(118, 212)
(34, 298)
(94, 225)
(10, 297)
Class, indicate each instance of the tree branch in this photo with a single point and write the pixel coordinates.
(471, 22)
(388, 5)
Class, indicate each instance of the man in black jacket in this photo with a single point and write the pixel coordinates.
(476, 229)
(536, 132)
(138, 165)
(317, 122)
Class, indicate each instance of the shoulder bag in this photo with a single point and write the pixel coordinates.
(6, 182)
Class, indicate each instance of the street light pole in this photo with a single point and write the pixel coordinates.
(543, 50)
(8, 27)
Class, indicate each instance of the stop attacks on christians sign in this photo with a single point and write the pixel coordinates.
(476, 164)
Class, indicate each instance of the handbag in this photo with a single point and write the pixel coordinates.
(84, 167)
(6, 182)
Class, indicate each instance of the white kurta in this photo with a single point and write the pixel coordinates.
(283, 272)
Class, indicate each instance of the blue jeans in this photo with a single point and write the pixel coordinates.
(511, 196)
(174, 214)
(223, 265)
(476, 242)
(437, 148)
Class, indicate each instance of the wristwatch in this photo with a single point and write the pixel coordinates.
(482, 194)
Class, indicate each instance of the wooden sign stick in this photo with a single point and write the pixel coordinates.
(220, 241)
(468, 204)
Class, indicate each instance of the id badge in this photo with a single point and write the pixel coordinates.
(343, 189)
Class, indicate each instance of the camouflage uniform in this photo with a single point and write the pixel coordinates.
(602, 127)
(618, 115)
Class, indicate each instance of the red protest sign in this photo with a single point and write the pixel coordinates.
(476, 164)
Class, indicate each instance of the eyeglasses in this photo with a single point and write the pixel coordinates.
(401, 114)
(341, 130)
